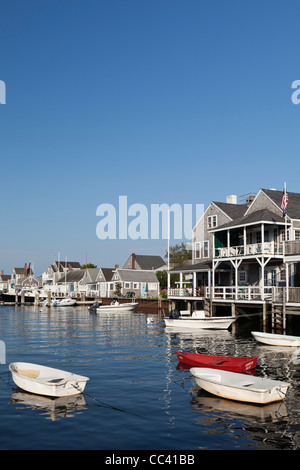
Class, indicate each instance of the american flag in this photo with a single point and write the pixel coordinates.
(284, 202)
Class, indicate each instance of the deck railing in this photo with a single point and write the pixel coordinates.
(268, 248)
(241, 293)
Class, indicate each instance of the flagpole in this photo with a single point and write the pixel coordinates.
(285, 222)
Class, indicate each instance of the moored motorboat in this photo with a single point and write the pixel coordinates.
(67, 302)
(240, 387)
(273, 339)
(231, 363)
(198, 320)
(115, 306)
(42, 380)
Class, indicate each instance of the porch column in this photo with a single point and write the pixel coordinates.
(228, 243)
(209, 283)
(262, 278)
(287, 281)
(194, 284)
(180, 283)
(262, 237)
(169, 283)
(245, 239)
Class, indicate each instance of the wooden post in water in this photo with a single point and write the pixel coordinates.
(49, 298)
(22, 297)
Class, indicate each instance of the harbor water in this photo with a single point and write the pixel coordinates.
(137, 398)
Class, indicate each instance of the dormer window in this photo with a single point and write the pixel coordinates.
(211, 221)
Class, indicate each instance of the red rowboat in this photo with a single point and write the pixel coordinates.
(232, 363)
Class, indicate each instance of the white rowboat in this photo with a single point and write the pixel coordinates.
(47, 381)
(275, 339)
(240, 387)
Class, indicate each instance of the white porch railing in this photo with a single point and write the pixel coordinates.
(268, 248)
(241, 293)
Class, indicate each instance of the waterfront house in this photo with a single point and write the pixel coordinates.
(4, 282)
(55, 271)
(70, 282)
(245, 251)
(138, 283)
(145, 262)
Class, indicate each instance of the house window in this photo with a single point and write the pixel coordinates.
(258, 237)
(297, 234)
(111, 286)
(282, 235)
(266, 236)
(205, 249)
(211, 221)
(127, 285)
(135, 285)
(198, 250)
(242, 277)
(152, 286)
(283, 275)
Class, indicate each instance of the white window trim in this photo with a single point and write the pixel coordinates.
(197, 244)
(210, 221)
(204, 256)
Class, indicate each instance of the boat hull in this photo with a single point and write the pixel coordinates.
(47, 381)
(220, 323)
(126, 307)
(240, 387)
(231, 363)
(276, 340)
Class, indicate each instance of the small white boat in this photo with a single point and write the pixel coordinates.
(47, 381)
(115, 306)
(67, 302)
(273, 339)
(240, 387)
(198, 320)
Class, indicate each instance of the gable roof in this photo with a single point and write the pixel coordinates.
(149, 261)
(293, 209)
(256, 217)
(107, 273)
(74, 275)
(136, 275)
(233, 211)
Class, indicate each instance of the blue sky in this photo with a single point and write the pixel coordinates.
(163, 101)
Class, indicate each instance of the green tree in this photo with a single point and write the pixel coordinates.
(179, 255)
(89, 265)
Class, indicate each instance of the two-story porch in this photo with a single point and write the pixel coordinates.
(250, 259)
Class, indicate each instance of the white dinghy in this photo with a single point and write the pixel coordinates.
(47, 381)
(240, 387)
(273, 339)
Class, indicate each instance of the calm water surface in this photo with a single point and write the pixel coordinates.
(137, 397)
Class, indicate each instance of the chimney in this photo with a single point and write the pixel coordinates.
(2, 272)
(25, 269)
(232, 199)
(133, 260)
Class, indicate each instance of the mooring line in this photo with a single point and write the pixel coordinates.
(107, 405)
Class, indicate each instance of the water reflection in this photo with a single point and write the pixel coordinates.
(52, 408)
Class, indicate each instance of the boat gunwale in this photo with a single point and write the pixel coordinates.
(45, 381)
(277, 383)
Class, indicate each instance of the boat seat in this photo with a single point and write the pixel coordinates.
(30, 373)
(51, 379)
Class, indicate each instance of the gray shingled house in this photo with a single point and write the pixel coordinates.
(242, 250)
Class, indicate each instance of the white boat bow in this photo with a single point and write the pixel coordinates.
(42, 380)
